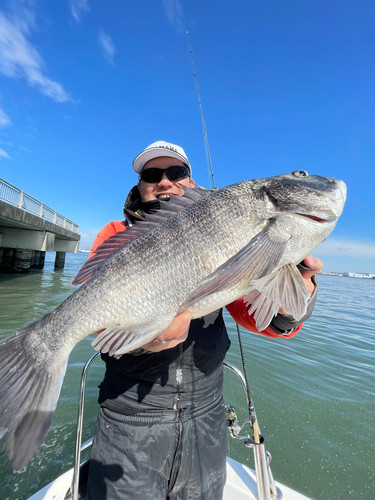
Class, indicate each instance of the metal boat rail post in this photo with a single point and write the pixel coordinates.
(267, 489)
(79, 447)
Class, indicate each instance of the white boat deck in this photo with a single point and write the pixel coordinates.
(241, 485)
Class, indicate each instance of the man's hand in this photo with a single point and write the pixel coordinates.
(315, 266)
(176, 333)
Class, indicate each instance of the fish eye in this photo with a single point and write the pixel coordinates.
(300, 173)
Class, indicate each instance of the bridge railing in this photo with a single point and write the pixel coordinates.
(22, 200)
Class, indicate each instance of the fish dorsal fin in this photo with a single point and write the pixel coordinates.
(197, 192)
(284, 287)
(109, 247)
(258, 258)
(151, 221)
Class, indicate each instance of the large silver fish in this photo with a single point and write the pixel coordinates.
(198, 253)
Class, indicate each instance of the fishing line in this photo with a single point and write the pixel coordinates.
(252, 415)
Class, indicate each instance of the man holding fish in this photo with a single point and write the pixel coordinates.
(161, 431)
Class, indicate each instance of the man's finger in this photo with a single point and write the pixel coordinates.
(314, 264)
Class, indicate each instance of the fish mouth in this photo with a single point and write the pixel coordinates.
(319, 217)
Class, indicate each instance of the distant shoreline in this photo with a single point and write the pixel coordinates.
(349, 275)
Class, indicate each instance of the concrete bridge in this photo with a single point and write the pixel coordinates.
(29, 229)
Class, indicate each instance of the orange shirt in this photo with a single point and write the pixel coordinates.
(237, 309)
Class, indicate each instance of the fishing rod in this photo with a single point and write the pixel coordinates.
(203, 122)
(253, 419)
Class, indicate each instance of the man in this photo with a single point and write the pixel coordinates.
(161, 431)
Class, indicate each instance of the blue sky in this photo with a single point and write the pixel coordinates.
(86, 85)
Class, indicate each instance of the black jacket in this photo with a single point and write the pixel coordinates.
(188, 375)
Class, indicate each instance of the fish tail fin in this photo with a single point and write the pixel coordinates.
(29, 389)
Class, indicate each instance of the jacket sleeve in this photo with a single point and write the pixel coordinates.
(239, 312)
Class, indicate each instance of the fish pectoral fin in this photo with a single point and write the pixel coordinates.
(284, 287)
(117, 341)
(258, 258)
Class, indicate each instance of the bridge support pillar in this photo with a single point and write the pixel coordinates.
(42, 258)
(38, 262)
(35, 262)
(6, 261)
(60, 259)
(22, 260)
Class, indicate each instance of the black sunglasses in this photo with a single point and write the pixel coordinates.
(174, 173)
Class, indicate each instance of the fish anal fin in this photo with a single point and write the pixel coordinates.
(117, 341)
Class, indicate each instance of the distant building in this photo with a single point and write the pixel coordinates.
(359, 275)
(350, 275)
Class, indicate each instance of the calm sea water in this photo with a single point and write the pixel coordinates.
(314, 394)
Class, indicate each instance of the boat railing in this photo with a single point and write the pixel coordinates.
(267, 489)
(80, 447)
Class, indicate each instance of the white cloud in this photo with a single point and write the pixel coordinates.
(4, 119)
(173, 10)
(18, 57)
(4, 154)
(346, 248)
(88, 236)
(106, 44)
(78, 7)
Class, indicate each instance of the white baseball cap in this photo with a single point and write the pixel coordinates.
(160, 148)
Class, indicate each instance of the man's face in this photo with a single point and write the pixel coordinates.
(165, 188)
